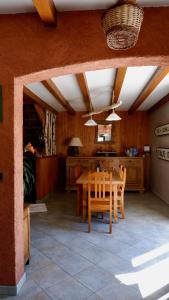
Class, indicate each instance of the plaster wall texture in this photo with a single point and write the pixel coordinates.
(159, 167)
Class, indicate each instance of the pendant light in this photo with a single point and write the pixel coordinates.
(90, 122)
(113, 117)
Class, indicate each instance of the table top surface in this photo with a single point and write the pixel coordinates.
(83, 178)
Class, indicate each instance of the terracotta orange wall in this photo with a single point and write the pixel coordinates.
(159, 167)
(27, 48)
(132, 130)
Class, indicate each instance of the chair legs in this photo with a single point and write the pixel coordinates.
(122, 209)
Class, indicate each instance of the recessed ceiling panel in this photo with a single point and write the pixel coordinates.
(160, 91)
(23, 6)
(135, 80)
(100, 84)
(69, 88)
(38, 89)
(16, 6)
(152, 3)
(63, 5)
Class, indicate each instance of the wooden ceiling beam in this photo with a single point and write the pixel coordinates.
(34, 98)
(47, 11)
(53, 89)
(159, 104)
(120, 75)
(128, 2)
(81, 79)
(159, 75)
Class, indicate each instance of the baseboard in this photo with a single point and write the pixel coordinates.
(12, 290)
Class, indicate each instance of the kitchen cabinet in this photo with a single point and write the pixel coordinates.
(75, 166)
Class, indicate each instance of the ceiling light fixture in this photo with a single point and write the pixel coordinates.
(90, 122)
(121, 25)
(113, 117)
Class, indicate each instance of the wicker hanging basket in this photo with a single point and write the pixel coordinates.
(121, 25)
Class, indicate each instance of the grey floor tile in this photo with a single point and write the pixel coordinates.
(74, 264)
(94, 297)
(58, 252)
(117, 291)
(69, 289)
(45, 243)
(95, 254)
(94, 278)
(37, 262)
(60, 246)
(49, 276)
(79, 242)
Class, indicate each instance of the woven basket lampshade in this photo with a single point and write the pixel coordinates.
(121, 25)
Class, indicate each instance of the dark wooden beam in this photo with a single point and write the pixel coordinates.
(159, 75)
(159, 104)
(53, 89)
(34, 98)
(120, 75)
(128, 2)
(47, 11)
(81, 79)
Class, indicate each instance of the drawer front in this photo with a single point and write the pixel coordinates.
(132, 162)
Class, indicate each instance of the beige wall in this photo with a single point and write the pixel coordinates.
(159, 167)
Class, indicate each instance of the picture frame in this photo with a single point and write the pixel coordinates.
(104, 132)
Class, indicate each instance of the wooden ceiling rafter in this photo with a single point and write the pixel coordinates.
(119, 79)
(53, 89)
(36, 99)
(159, 75)
(163, 101)
(81, 79)
(47, 11)
(128, 2)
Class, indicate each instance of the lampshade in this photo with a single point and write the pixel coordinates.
(113, 117)
(90, 122)
(75, 142)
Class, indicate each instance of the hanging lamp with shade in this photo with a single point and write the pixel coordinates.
(90, 122)
(113, 117)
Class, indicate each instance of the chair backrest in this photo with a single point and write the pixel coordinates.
(99, 190)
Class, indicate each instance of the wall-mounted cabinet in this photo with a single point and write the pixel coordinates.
(135, 169)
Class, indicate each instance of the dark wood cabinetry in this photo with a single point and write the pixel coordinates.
(135, 169)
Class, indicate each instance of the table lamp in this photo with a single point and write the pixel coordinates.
(74, 145)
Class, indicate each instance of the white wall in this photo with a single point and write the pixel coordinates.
(159, 167)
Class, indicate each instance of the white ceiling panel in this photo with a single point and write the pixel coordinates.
(100, 84)
(16, 6)
(38, 89)
(69, 87)
(22, 6)
(134, 82)
(153, 3)
(160, 91)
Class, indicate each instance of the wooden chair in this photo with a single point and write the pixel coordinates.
(120, 191)
(100, 195)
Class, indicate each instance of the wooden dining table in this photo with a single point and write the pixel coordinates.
(82, 183)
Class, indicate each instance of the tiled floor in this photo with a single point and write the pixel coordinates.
(68, 263)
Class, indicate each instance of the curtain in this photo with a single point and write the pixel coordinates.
(49, 132)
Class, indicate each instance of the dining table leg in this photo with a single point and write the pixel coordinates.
(84, 202)
(115, 203)
(78, 199)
